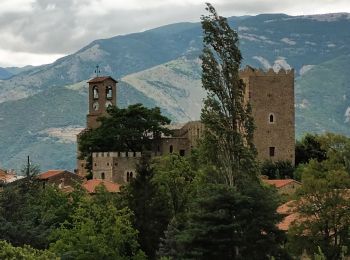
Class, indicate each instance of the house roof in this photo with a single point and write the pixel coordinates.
(49, 174)
(91, 185)
(289, 210)
(280, 183)
(3, 172)
(100, 79)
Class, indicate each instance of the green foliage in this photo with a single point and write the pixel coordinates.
(309, 148)
(7, 251)
(151, 209)
(277, 170)
(97, 230)
(30, 170)
(324, 203)
(223, 223)
(125, 129)
(227, 118)
(174, 177)
(29, 213)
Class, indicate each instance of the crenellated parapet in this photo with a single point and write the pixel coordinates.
(117, 154)
(248, 71)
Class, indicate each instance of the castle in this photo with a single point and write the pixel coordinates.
(271, 95)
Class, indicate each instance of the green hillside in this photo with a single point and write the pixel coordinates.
(322, 98)
(42, 107)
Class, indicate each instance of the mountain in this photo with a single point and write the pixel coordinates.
(323, 98)
(5, 74)
(42, 108)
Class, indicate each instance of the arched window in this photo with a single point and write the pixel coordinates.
(171, 149)
(102, 175)
(109, 92)
(131, 175)
(271, 118)
(95, 92)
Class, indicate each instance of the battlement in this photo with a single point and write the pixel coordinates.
(117, 154)
(252, 72)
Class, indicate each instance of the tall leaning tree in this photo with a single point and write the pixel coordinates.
(228, 138)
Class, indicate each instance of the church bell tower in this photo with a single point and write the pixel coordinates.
(102, 94)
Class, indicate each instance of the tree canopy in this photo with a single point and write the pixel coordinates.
(226, 115)
(97, 229)
(124, 129)
(324, 204)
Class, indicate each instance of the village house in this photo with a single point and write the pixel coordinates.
(284, 186)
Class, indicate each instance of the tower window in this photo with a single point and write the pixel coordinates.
(272, 151)
(129, 176)
(171, 149)
(109, 92)
(182, 152)
(95, 92)
(102, 175)
(271, 118)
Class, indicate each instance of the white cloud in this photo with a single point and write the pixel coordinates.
(20, 59)
(16, 6)
(48, 28)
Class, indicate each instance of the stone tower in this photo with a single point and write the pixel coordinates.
(271, 95)
(102, 94)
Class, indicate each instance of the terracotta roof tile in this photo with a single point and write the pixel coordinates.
(91, 185)
(49, 174)
(100, 79)
(289, 210)
(280, 183)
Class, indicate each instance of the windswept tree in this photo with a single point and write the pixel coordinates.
(226, 114)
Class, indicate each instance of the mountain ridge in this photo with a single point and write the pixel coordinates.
(160, 67)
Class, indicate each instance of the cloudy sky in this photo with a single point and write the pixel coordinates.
(40, 31)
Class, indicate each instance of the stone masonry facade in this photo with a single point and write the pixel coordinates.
(271, 95)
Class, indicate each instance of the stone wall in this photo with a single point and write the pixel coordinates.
(117, 167)
(271, 96)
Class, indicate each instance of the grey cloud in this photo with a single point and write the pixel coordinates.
(59, 26)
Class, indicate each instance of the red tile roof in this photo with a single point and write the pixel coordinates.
(289, 210)
(49, 174)
(280, 183)
(91, 185)
(100, 79)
